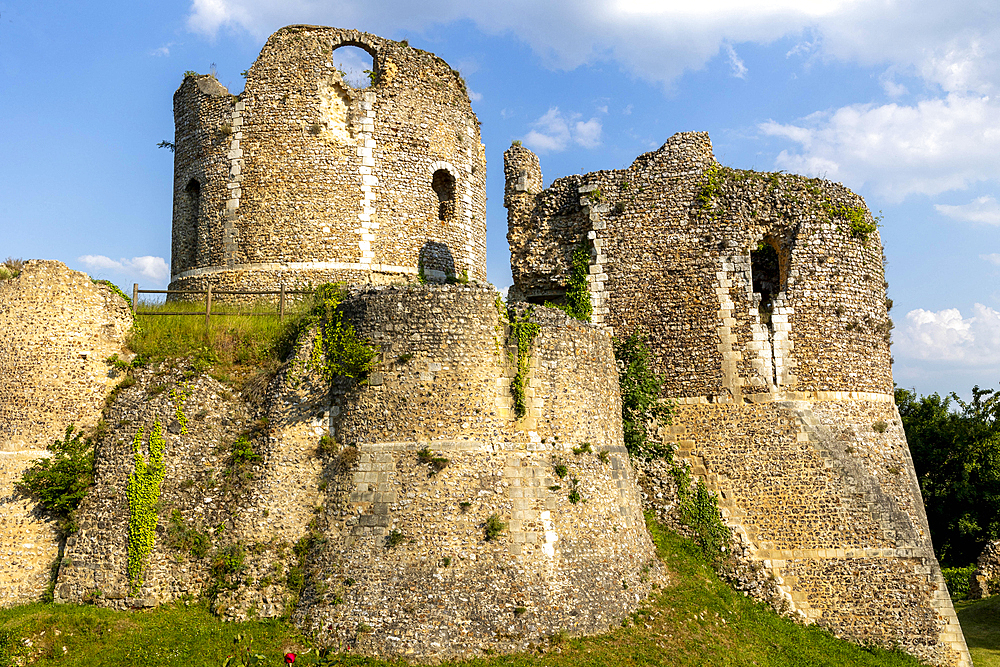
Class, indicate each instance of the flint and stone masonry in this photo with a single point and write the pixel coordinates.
(304, 179)
(58, 328)
(764, 301)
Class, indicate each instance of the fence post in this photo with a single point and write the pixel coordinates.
(281, 304)
(208, 305)
(135, 297)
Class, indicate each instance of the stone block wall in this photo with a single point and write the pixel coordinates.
(764, 301)
(574, 553)
(303, 178)
(58, 328)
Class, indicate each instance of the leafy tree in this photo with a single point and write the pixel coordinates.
(956, 453)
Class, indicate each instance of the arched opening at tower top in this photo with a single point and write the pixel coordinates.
(765, 269)
(443, 184)
(356, 65)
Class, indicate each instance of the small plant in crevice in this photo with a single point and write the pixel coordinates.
(603, 457)
(242, 452)
(185, 538)
(327, 446)
(560, 469)
(518, 611)
(394, 539)
(583, 448)
(436, 463)
(574, 494)
(404, 358)
(880, 427)
(464, 506)
(493, 527)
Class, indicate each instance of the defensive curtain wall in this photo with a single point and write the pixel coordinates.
(58, 328)
(393, 547)
(304, 179)
(764, 299)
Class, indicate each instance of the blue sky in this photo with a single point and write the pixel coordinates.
(899, 100)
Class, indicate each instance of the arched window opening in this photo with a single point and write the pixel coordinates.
(443, 184)
(766, 273)
(192, 194)
(356, 66)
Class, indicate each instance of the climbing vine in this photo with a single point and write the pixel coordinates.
(179, 397)
(143, 493)
(524, 332)
(640, 390)
(578, 302)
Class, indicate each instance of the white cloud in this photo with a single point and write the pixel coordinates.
(154, 268)
(982, 209)
(588, 134)
(736, 63)
(474, 96)
(955, 45)
(992, 258)
(162, 51)
(555, 131)
(932, 147)
(947, 336)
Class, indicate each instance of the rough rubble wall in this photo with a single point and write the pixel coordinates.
(780, 393)
(58, 328)
(442, 382)
(302, 178)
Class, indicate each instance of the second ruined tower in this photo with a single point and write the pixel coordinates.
(303, 178)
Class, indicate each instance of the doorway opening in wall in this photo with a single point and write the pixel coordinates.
(192, 195)
(443, 184)
(766, 274)
(356, 66)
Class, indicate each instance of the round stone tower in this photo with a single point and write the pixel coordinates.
(303, 178)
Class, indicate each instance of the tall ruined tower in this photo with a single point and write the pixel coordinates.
(764, 301)
(303, 178)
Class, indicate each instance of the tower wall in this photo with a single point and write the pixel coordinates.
(764, 301)
(440, 588)
(305, 179)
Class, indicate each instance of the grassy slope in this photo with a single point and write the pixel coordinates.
(698, 620)
(981, 625)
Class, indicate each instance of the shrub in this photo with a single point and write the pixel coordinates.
(63, 480)
(394, 539)
(243, 452)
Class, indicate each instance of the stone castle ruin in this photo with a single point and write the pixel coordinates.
(764, 300)
(418, 514)
(304, 179)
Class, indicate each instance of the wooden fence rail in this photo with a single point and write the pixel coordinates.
(209, 293)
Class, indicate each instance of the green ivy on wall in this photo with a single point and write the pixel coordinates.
(143, 493)
(578, 302)
(179, 397)
(524, 332)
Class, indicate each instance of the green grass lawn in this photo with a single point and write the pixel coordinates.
(981, 625)
(697, 620)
